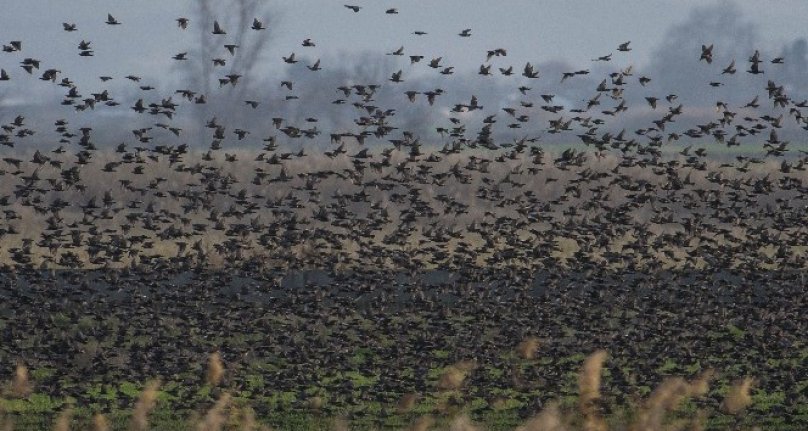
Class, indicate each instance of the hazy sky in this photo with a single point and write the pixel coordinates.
(531, 30)
(557, 36)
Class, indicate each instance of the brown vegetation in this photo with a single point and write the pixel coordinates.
(653, 415)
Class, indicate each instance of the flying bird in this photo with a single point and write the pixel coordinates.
(730, 69)
(257, 25)
(111, 20)
(217, 29)
(707, 53)
(316, 66)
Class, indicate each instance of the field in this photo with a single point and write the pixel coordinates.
(326, 313)
(242, 215)
(302, 350)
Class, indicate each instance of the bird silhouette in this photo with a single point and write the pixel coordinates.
(111, 20)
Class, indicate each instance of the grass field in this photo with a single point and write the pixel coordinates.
(676, 403)
(299, 358)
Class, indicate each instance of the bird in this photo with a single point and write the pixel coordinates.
(111, 20)
(707, 53)
(315, 67)
(13, 46)
(465, 33)
(730, 69)
(217, 29)
(257, 25)
(529, 72)
(353, 8)
(755, 62)
(182, 22)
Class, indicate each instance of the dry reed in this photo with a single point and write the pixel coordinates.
(589, 387)
(316, 402)
(406, 403)
(145, 404)
(549, 419)
(21, 385)
(652, 416)
(215, 369)
(340, 424)
(100, 423)
(247, 420)
(423, 423)
(738, 397)
(463, 423)
(528, 347)
(454, 375)
(62, 422)
(666, 398)
(216, 417)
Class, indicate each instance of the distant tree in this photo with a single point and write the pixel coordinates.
(199, 72)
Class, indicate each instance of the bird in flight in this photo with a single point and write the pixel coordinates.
(217, 29)
(257, 25)
(707, 53)
(112, 21)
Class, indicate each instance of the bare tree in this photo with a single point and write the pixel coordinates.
(202, 76)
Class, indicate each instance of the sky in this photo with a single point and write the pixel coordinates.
(559, 36)
(574, 31)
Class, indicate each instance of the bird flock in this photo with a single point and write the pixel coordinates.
(386, 196)
(626, 226)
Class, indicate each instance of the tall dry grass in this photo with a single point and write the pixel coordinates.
(654, 414)
(454, 375)
(100, 423)
(589, 389)
(63, 420)
(216, 417)
(549, 419)
(21, 385)
(145, 404)
(528, 348)
(739, 396)
(215, 372)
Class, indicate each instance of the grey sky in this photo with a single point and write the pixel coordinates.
(558, 36)
(531, 30)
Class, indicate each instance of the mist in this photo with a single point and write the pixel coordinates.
(673, 68)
